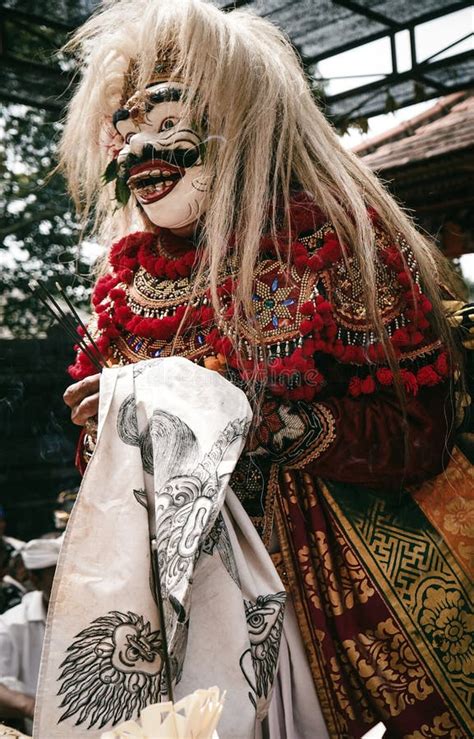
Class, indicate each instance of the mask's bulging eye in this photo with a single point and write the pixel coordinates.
(168, 123)
(128, 137)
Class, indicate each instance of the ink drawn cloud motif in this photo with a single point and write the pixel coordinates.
(187, 506)
(189, 492)
(112, 670)
(177, 444)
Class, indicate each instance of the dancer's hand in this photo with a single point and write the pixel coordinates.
(83, 399)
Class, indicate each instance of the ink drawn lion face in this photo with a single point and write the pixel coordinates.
(259, 662)
(262, 617)
(112, 671)
(131, 648)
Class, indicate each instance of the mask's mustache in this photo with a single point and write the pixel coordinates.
(182, 158)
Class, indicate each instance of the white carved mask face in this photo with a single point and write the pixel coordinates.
(161, 156)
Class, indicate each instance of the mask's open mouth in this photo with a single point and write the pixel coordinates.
(154, 179)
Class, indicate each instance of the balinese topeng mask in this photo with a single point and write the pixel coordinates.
(161, 156)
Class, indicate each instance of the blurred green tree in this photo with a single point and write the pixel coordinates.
(39, 232)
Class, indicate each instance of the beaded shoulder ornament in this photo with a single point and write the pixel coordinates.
(306, 314)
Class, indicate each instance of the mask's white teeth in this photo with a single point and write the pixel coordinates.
(140, 176)
(150, 190)
(166, 173)
(168, 183)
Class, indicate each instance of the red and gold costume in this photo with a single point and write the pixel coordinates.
(376, 565)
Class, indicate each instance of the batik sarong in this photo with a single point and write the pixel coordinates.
(382, 587)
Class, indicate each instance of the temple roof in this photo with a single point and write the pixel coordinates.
(427, 162)
(448, 126)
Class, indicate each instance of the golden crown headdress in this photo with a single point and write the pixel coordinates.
(164, 68)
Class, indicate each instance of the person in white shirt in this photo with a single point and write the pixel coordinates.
(22, 631)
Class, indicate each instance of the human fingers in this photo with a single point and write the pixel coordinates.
(87, 408)
(76, 392)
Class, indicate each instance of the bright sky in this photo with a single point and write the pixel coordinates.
(374, 58)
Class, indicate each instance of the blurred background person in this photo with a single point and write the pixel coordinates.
(22, 632)
(11, 541)
(63, 508)
(12, 589)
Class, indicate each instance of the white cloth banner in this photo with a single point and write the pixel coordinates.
(175, 429)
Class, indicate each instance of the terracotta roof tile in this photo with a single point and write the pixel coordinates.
(446, 127)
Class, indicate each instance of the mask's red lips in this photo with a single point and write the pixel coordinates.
(154, 179)
(156, 164)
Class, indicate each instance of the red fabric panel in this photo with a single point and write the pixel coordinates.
(377, 447)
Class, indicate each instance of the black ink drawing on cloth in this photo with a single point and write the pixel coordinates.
(187, 507)
(178, 446)
(264, 623)
(112, 670)
(219, 541)
(187, 502)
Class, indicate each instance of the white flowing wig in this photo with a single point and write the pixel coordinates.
(266, 138)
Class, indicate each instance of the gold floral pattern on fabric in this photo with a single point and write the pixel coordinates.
(309, 493)
(292, 491)
(343, 582)
(272, 302)
(332, 574)
(308, 575)
(131, 348)
(345, 290)
(448, 503)
(314, 638)
(450, 627)
(392, 673)
(300, 491)
(348, 291)
(460, 516)
(277, 299)
(341, 690)
(367, 667)
(335, 575)
(150, 292)
(342, 685)
(442, 725)
(413, 566)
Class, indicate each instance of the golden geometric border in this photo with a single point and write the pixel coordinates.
(402, 613)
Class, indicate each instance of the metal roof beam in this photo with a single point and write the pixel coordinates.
(390, 79)
(367, 13)
(235, 4)
(450, 7)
